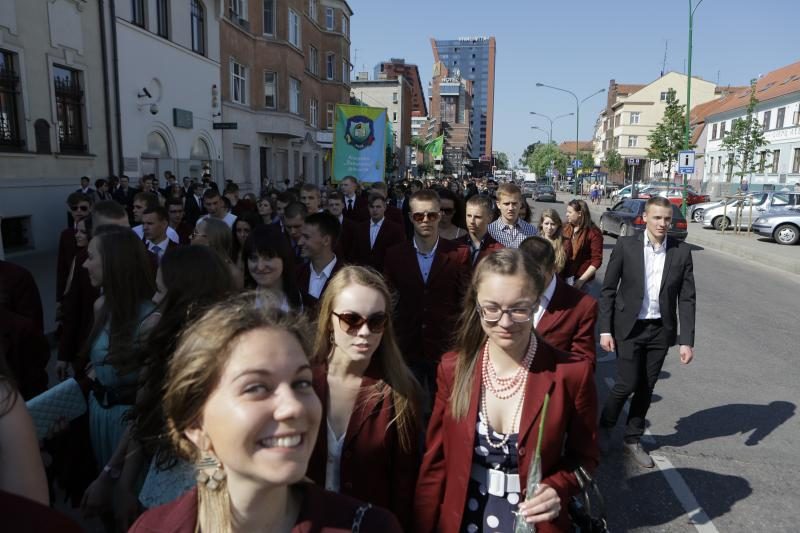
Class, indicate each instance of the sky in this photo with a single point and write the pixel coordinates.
(579, 45)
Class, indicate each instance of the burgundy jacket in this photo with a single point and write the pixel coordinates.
(21, 514)
(20, 294)
(303, 274)
(373, 466)
(389, 235)
(395, 214)
(344, 246)
(77, 309)
(426, 313)
(321, 512)
(589, 254)
(26, 352)
(488, 246)
(568, 442)
(568, 323)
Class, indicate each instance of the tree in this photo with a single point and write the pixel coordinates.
(523, 160)
(745, 138)
(614, 162)
(539, 160)
(666, 140)
(501, 160)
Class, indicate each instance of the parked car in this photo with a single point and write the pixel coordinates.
(625, 192)
(696, 211)
(544, 193)
(763, 204)
(528, 189)
(783, 228)
(675, 195)
(626, 218)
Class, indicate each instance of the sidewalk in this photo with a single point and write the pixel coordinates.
(744, 246)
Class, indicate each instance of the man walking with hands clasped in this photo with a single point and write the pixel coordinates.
(648, 285)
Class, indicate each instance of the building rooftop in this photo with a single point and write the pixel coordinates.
(780, 82)
(568, 147)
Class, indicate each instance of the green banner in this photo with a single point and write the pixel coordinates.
(434, 148)
(359, 143)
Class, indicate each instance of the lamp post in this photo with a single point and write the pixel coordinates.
(551, 120)
(578, 103)
(688, 98)
(549, 134)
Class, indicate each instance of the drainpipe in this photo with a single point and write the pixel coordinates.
(117, 111)
(107, 107)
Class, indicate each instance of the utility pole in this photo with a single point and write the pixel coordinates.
(688, 100)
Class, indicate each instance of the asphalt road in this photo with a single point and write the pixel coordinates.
(726, 425)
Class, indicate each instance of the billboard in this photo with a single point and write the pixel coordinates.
(359, 143)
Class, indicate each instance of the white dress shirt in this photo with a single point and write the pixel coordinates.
(162, 248)
(425, 261)
(544, 301)
(374, 229)
(333, 467)
(654, 258)
(316, 281)
(171, 233)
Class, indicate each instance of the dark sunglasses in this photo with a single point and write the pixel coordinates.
(352, 322)
(448, 211)
(430, 215)
(83, 208)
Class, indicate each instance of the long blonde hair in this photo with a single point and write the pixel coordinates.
(404, 387)
(470, 336)
(194, 373)
(558, 240)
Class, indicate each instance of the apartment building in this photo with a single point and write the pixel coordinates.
(451, 107)
(398, 67)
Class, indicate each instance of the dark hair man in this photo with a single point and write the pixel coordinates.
(193, 206)
(109, 213)
(374, 237)
(86, 187)
(355, 207)
(640, 305)
(479, 211)
(509, 229)
(318, 236)
(215, 207)
(155, 222)
(144, 201)
(176, 212)
(293, 218)
(310, 197)
(344, 248)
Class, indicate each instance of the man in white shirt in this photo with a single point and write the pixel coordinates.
(317, 240)
(145, 201)
(510, 230)
(155, 222)
(215, 207)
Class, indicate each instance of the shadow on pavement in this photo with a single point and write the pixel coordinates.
(695, 248)
(729, 420)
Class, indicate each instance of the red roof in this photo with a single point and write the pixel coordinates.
(568, 147)
(785, 80)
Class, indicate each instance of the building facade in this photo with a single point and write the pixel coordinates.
(285, 65)
(54, 117)
(398, 67)
(473, 59)
(451, 104)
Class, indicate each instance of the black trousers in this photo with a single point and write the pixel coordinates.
(639, 361)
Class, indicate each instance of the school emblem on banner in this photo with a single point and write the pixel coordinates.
(359, 132)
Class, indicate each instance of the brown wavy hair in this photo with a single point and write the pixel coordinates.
(558, 240)
(470, 336)
(397, 378)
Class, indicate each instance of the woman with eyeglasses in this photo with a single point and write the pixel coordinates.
(483, 433)
(368, 443)
(452, 210)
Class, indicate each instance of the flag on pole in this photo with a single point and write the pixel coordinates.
(434, 148)
(359, 145)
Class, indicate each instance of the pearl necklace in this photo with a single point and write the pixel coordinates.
(518, 380)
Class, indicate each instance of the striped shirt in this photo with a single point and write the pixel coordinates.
(511, 236)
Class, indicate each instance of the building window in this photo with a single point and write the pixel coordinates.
(345, 26)
(394, 116)
(270, 90)
(237, 10)
(767, 117)
(394, 98)
(779, 118)
(345, 72)
(312, 9)
(69, 109)
(634, 117)
(776, 158)
(713, 132)
(762, 161)
(617, 120)
(329, 20)
(313, 60)
(330, 62)
(329, 116)
(616, 141)
(722, 129)
(633, 141)
(665, 95)
(313, 113)
(162, 12)
(294, 28)
(294, 96)
(238, 82)
(9, 101)
(198, 27)
(796, 162)
(137, 12)
(269, 17)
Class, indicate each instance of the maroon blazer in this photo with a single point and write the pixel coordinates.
(320, 512)
(373, 466)
(568, 323)
(303, 273)
(21, 514)
(66, 252)
(344, 246)
(590, 253)
(488, 246)
(568, 442)
(26, 352)
(389, 235)
(184, 231)
(20, 294)
(360, 211)
(77, 309)
(426, 313)
(395, 214)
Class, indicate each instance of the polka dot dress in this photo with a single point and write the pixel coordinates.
(484, 511)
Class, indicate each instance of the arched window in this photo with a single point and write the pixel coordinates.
(157, 146)
(200, 150)
(198, 27)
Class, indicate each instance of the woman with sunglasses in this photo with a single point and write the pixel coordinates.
(367, 446)
(484, 430)
(452, 211)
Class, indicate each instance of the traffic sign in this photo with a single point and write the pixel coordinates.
(579, 163)
(225, 126)
(632, 161)
(686, 162)
(569, 171)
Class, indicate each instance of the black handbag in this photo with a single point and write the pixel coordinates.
(588, 509)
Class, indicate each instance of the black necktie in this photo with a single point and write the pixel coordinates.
(350, 205)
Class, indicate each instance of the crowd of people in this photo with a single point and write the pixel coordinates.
(355, 356)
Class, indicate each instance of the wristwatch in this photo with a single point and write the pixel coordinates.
(112, 472)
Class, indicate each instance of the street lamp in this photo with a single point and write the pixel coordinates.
(551, 120)
(578, 103)
(688, 98)
(550, 138)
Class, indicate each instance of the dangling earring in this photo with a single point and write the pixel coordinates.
(210, 472)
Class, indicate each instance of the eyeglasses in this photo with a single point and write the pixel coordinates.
(519, 315)
(448, 211)
(352, 322)
(84, 208)
(430, 215)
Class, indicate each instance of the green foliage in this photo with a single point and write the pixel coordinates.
(418, 142)
(523, 160)
(539, 160)
(666, 140)
(745, 138)
(614, 162)
(501, 160)
(587, 160)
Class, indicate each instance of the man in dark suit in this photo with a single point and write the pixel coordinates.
(193, 206)
(393, 213)
(414, 186)
(565, 317)
(86, 187)
(649, 284)
(479, 213)
(430, 276)
(294, 217)
(125, 194)
(374, 237)
(318, 236)
(176, 211)
(155, 222)
(344, 246)
(355, 205)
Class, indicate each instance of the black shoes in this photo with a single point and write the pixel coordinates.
(639, 454)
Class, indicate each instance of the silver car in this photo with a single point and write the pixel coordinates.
(764, 203)
(783, 228)
(697, 211)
